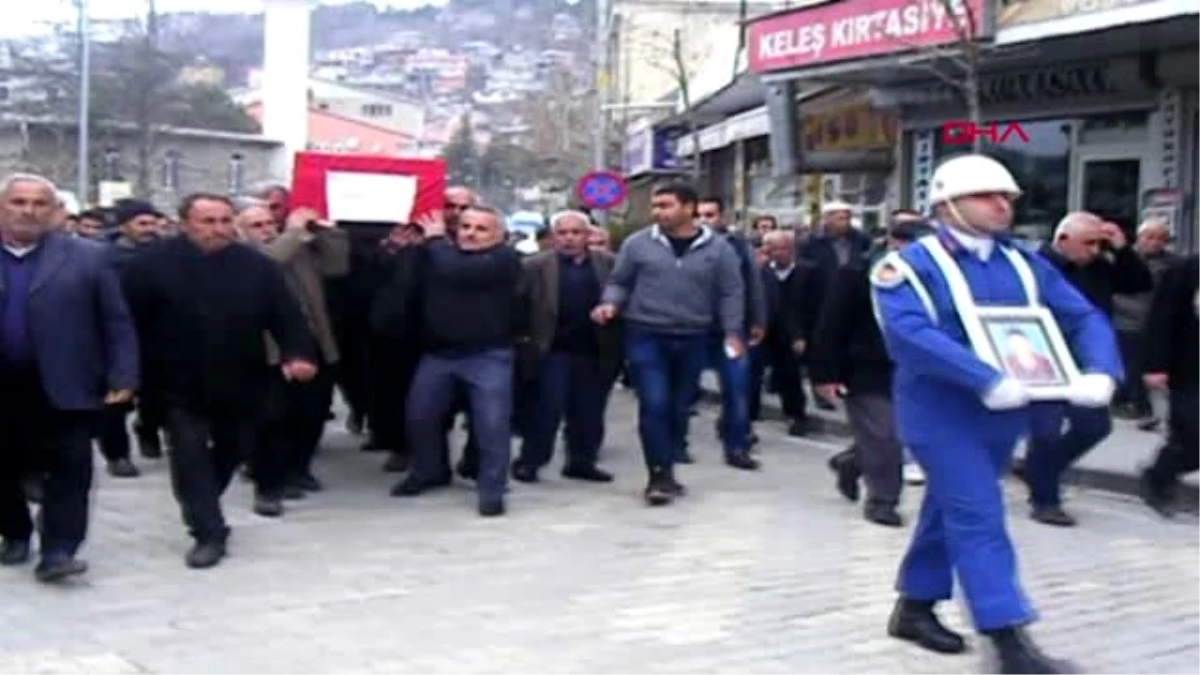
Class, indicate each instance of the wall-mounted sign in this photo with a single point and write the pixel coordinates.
(1019, 20)
(849, 129)
(652, 150)
(853, 29)
(1080, 81)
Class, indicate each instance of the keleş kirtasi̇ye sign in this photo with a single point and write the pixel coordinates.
(853, 29)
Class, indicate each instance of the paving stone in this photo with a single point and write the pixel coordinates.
(766, 572)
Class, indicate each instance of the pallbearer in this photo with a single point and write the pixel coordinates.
(962, 417)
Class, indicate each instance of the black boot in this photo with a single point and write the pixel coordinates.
(659, 490)
(915, 621)
(846, 470)
(1016, 653)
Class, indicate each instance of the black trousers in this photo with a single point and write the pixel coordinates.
(1181, 452)
(111, 431)
(56, 446)
(304, 420)
(151, 417)
(393, 366)
(1133, 392)
(785, 376)
(201, 471)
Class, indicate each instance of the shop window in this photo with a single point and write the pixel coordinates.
(1042, 168)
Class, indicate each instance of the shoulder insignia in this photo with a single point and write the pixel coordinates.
(885, 274)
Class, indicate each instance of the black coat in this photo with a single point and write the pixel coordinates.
(791, 315)
(1121, 271)
(1172, 338)
(847, 346)
(202, 319)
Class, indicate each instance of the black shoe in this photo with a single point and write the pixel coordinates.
(752, 440)
(659, 489)
(1158, 497)
(740, 459)
(293, 492)
(1148, 424)
(798, 427)
(57, 568)
(123, 468)
(396, 463)
(149, 445)
(824, 403)
(883, 514)
(205, 554)
(847, 475)
(34, 488)
(466, 471)
(309, 483)
(268, 507)
(14, 552)
(590, 474)
(524, 473)
(1052, 515)
(490, 508)
(412, 485)
(1016, 653)
(354, 423)
(916, 622)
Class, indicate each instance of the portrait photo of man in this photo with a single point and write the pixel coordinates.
(1024, 360)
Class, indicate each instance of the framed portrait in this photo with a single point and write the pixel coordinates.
(1026, 344)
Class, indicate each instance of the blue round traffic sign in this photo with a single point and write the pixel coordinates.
(602, 190)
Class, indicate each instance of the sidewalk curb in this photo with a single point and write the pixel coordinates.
(1095, 479)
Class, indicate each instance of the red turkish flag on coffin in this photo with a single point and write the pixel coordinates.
(368, 188)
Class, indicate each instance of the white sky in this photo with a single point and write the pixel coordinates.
(18, 13)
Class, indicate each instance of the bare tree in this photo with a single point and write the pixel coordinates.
(683, 81)
(558, 122)
(957, 65)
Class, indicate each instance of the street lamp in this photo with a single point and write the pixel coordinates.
(82, 181)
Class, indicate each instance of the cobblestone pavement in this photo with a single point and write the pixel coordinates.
(752, 573)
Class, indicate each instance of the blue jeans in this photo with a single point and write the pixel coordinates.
(733, 427)
(666, 374)
(487, 376)
(576, 387)
(1052, 451)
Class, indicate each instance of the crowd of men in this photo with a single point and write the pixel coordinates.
(229, 329)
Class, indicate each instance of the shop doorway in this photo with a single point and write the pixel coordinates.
(1110, 184)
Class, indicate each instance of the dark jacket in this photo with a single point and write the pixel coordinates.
(540, 287)
(819, 250)
(1121, 271)
(80, 328)
(469, 298)
(847, 346)
(202, 316)
(396, 309)
(1172, 338)
(789, 318)
(755, 298)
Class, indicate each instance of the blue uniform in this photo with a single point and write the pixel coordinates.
(963, 447)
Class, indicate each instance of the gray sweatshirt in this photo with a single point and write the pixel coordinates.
(657, 291)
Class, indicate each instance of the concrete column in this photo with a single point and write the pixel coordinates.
(784, 122)
(287, 29)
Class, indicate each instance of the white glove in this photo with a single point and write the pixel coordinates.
(1093, 390)
(1006, 395)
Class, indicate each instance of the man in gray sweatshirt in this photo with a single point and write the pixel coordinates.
(671, 283)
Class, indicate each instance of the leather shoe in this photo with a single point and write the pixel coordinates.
(123, 468)
(14, 552)
(57, 568)
(1016, 653)
(883, 514)
(205, 554)
(268, 507)
(590, 474)
(491, 508)
(916, 622)
(742, 460)
(524, 473)
(1053, 515)
(412, 485)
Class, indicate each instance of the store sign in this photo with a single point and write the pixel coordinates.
(849, 129)
(652, 150)
(965, 132)
(853, 29)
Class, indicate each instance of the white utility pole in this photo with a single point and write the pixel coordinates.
(603, 83)
(82, 180)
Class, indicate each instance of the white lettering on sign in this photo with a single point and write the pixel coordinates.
(840, 32)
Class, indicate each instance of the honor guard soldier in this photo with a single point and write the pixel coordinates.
(962, 417)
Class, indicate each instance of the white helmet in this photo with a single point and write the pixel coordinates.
(970, 175)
